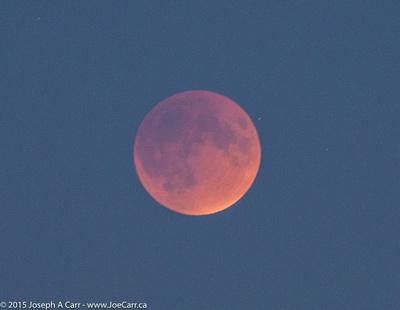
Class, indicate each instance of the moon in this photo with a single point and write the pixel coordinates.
(197, 152)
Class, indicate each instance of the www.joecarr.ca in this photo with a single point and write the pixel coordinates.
(73, 305)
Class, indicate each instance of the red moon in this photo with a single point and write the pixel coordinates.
(197, 152)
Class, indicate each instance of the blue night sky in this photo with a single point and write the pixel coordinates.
(319, 228)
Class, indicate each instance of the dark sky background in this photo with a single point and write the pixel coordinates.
(319, 228)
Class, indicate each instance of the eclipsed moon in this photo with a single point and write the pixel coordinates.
(197, 152)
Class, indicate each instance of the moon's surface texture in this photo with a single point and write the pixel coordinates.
(197, 152)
